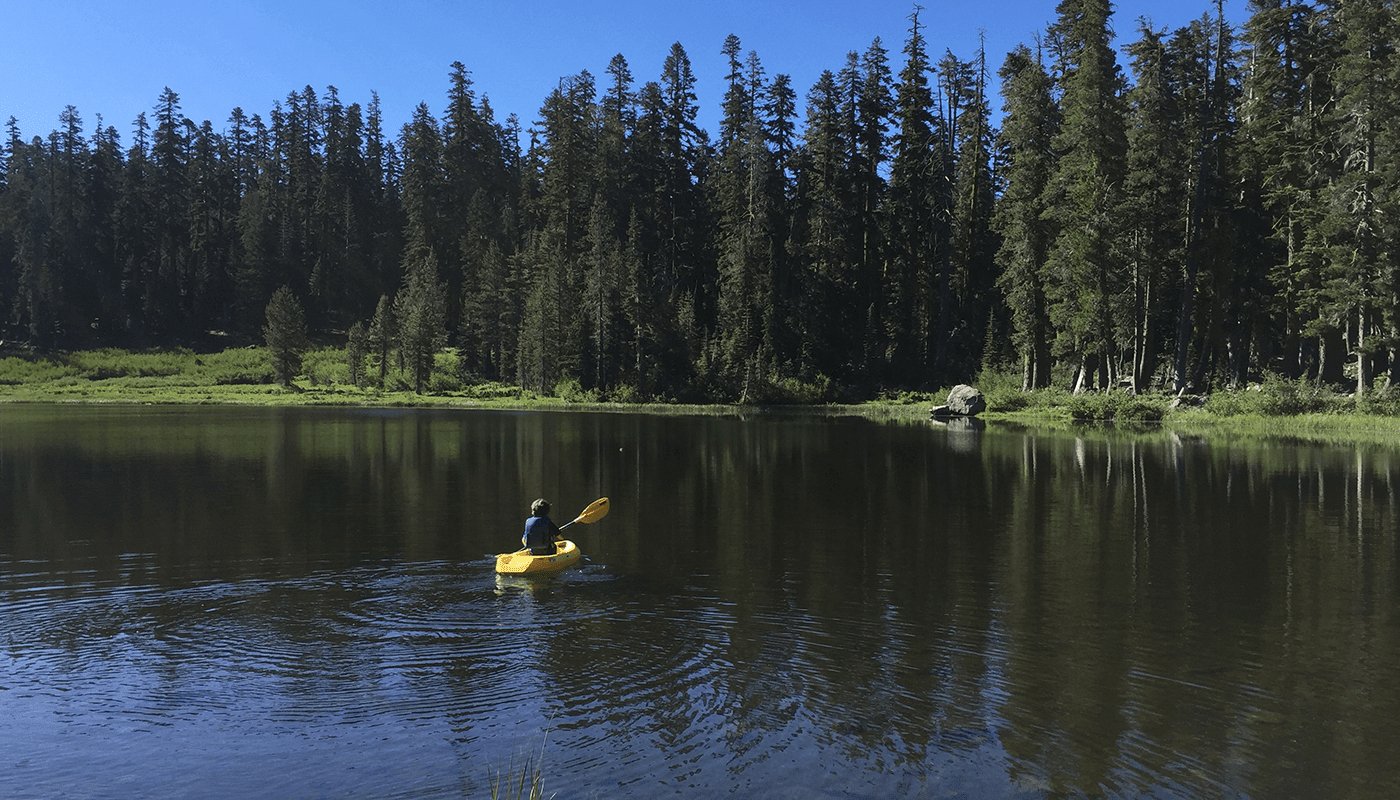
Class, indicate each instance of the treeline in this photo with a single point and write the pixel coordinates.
(1228, 213)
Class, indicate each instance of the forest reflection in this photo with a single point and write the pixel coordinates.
(871, 606)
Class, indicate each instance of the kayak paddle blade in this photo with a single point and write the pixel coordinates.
(595, 511)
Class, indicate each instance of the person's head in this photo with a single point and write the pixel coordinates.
(539, 508)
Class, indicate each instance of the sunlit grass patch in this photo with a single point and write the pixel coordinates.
(20, 371)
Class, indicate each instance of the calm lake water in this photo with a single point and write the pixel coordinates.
(302, 603)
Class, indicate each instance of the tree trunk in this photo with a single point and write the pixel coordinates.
(1144, 363)
(1363, 361)
(1331, 349)
(1244, 337)
(1183, 323)
(1139, 325)
(1393, 380)
(1087, 374)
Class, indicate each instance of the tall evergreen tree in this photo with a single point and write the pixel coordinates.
(1028, 129)
(356, 348)
(171, 280)
(912, 210)
(973, 241)
(1084, 191)
(420, 312)
(1155, 182)
(873, 113)
(830, 249)
(743, 186)
(1361, 261)
(383, 332)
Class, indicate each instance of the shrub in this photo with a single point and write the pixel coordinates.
(1141, 408)
(1276, 397)
(909, 398)
(624, 393)
(16, 371)
(1232, 403)
(1089, 407)
(1386, 403)
(1116, 406)
(444, 381)
(243, 366)
(1002, 389)
(571, 391)
(326, 366)
(1011, 401)
(110, 363)
(775, 390)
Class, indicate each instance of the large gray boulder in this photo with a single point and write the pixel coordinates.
(966, 401)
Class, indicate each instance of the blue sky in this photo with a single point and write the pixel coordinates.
(114, 58)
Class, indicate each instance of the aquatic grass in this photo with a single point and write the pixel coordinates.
(526, 783)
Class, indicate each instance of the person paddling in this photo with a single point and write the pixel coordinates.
(540, 531)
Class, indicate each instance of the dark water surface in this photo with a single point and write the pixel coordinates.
(300, 603)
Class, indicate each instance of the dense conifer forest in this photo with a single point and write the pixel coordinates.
(1222, 206)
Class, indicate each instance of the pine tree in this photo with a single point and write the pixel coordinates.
(1198, 57)
(135, 248)
(973, 242)
(823, 228)
(685, 259)
(213, 235)
(420, 310)
(1083, 194)
(423, 187)
(1155, 182)
(1028, 128)
(912, 209)
(171, 281)
(356, 348)
(1361, 259)
(36, 293)
(743, 187)
(599, 303)
(101, 292)
(383, 332)
(285, 335)
(873, 112)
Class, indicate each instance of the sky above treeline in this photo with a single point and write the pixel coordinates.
(114, 59)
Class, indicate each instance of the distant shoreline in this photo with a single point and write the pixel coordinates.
(240, 377)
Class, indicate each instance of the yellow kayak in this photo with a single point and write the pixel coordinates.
(522, 563)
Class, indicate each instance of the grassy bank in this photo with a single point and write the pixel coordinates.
(243, 376)
(1274, 408)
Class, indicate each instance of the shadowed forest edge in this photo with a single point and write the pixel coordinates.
(1223, 220)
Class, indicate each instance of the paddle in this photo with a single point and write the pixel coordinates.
(596, 510)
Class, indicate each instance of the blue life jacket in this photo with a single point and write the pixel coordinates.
(539, 535)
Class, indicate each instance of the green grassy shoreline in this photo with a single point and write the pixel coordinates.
(1275, 410)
